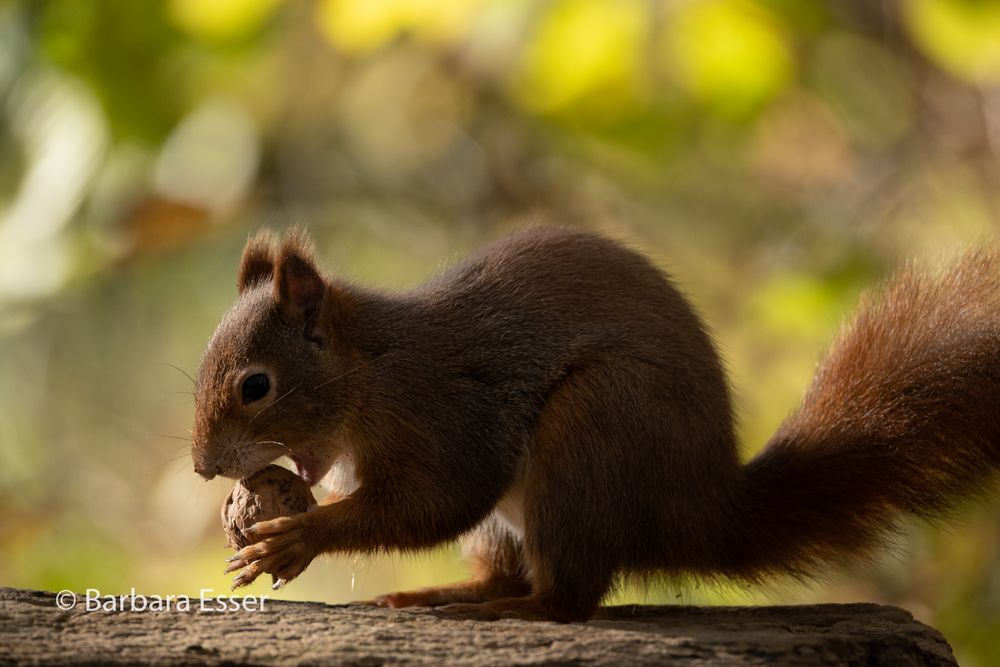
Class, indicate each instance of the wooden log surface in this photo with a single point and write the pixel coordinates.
(34, 630)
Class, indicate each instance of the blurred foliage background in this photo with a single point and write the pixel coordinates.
(776, 156)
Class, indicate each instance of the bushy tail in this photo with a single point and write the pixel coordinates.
(903, 417)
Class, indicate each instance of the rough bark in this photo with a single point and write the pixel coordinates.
(34, 630)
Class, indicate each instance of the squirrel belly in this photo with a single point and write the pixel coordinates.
(557, 403)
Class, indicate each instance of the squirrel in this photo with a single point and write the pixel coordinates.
(557, 404)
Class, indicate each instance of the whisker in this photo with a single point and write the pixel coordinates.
(179, 370)
(273, 442)
(258, 458)
(345, 373)
(177, 470)
(333, 379)
(251, 455)
(276, 401)
(171, 437)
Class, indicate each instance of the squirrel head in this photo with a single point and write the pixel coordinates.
(269, 383)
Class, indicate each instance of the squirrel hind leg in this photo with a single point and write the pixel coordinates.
(561, 589)
(568, 551)
(496, 560)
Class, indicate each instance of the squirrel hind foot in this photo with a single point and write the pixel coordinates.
(474, 591)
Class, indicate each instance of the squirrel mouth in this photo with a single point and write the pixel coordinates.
(308, 470)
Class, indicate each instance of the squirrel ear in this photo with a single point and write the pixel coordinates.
(299, 289)
(257, 264)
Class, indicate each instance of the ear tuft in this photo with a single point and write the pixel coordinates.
(298, 287)
(257, 264)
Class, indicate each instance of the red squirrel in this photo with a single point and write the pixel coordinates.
(556, 403)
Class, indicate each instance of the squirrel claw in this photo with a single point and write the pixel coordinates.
(283, 554)
(247, 576)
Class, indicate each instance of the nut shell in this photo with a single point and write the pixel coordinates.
(268, 494)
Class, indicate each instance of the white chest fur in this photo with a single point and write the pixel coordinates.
(341, 479)
(510, 509)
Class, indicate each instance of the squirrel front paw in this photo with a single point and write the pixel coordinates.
(284, 551)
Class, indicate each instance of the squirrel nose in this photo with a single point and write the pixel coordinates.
(203, 470)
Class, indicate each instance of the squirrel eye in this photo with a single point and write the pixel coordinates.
(255, 388)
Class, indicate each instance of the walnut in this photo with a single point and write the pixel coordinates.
(268, 494)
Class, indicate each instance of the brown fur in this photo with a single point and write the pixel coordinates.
(902, 417)
(561, 369)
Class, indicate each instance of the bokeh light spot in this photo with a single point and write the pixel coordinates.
(729, 55)
(220, 19)
(582, 49)
(962, 36)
